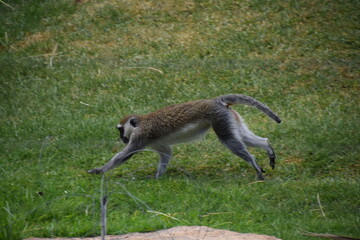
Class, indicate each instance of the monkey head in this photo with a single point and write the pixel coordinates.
(126, 127)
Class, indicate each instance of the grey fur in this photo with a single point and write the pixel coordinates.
(184, 122)
(243, 99)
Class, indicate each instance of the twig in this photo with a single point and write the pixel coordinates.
(331, 236)
(12, 8)
(103, 201)
(135, 199)
(321, 208)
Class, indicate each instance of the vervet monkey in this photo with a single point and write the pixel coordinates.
(188, 121)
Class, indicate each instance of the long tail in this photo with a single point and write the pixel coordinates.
(232, 99)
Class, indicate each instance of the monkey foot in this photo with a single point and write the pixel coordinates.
(95, 171)
(272, 165)
(260, 177)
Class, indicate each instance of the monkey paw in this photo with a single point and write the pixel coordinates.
(95, 171)
(260, 177)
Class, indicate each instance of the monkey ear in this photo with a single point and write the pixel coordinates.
(134, 122)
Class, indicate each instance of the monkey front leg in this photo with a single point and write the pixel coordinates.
(165, 155)
(116, 160)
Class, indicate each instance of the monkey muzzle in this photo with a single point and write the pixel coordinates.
(122, 137)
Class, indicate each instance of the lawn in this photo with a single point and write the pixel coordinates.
(70, 70)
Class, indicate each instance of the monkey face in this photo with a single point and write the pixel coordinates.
(122, 134)
(126, 128)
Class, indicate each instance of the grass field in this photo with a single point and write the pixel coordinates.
(70, 70)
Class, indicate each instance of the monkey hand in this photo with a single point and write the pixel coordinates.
(96, 171)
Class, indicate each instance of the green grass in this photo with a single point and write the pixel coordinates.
(70, 71)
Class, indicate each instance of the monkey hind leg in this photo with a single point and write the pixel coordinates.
(239, 149)
(264, 144)
(165, 155)
(251, 140)
(272, 155)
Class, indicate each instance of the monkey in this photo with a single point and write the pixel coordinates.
(185, 122)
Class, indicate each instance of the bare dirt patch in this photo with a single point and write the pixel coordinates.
(33, 38)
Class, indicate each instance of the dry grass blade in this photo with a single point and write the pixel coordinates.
(166, 215)
(319, 202)
(150, 68)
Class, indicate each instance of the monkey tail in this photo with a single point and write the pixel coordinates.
(228, 100)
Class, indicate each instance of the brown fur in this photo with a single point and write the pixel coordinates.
(172, 117)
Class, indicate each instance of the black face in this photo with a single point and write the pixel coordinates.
(122, 137)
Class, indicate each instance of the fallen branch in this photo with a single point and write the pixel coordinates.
(330, 236)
